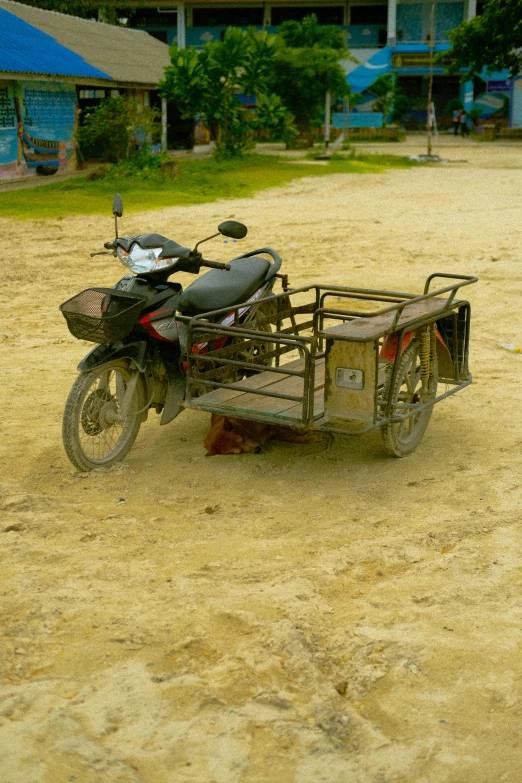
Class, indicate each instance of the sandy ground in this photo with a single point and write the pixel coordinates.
(307, 614)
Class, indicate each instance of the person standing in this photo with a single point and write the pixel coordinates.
(456, 121)
(464, 129)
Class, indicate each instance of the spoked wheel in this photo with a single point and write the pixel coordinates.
(94, 433)
(408, 389)
(251, 351)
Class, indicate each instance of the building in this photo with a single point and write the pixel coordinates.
(386, 37)
(51, 65)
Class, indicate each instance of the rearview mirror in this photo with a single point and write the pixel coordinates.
(117, 206)
(233, 229)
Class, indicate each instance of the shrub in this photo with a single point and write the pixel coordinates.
(114, 129)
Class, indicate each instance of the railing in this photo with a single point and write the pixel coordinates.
(220, 360)
(357, 36)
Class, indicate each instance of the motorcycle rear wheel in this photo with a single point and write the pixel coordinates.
(91, 436)
(260, 353)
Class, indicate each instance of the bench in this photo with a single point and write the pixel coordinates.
(510, 133)
(372, 327)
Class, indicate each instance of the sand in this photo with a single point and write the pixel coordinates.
(312, 613)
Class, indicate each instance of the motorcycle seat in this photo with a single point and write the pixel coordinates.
(219, 288)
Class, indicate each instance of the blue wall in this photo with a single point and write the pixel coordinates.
(47, 109)
(413, 19)
(8, 124)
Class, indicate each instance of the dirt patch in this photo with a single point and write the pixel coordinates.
(339, 615)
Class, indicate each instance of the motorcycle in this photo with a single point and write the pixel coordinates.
(140, 327)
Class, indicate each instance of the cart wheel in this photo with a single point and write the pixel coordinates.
(403, 437)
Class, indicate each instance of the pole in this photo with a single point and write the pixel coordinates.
(327, 108)
(181, 36)
(164, 125)
(430, 107)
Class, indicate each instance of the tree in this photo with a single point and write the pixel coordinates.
(309, 33)
(113, 130)
(389, 98)
(307, 67)
(492, 40)
(207, 82)
(108, 12)
(302, 77)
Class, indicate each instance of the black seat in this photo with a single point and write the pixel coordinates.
(219, 288)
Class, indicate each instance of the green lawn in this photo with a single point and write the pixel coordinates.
(199, 181)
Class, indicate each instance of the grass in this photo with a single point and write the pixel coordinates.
(198, 181)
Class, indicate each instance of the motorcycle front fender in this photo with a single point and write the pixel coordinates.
(136, 352)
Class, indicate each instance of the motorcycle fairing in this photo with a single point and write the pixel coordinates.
(261, 292)
(161, 323)
(220, 288)
(169, 248)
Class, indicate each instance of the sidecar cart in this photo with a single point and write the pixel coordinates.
(326, 358)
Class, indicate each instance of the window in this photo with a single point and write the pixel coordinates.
(225, 17)
(151, 17)
(325, 14)
(369, 14)
(161, 35)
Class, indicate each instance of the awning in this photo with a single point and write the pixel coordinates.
(382, 62)
(364, 76)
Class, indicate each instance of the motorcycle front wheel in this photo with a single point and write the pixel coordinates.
(94, 433)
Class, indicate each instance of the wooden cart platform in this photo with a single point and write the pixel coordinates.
(241, 403)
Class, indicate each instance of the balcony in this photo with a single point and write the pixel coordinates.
(413, 27)
(357, 36)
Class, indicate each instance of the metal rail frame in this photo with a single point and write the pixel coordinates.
(311, 348)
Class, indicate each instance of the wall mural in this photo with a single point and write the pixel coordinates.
(36, 126)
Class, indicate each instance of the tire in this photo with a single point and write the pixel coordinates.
(91, 439)
(401, 438)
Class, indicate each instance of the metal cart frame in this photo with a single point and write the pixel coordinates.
(229, 363)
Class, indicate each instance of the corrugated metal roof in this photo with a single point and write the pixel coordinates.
(130, 57)
(24, 49)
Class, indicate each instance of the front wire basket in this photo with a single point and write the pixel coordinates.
(102, 315)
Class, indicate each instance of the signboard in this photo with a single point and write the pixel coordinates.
(411, 60)
(360, 119)
(500, 85)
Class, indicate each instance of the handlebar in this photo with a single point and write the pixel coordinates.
(215, 264)
(194, 257)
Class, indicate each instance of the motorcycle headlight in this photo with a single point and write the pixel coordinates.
(142, 261)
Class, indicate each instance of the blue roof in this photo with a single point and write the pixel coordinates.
(25, 49)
